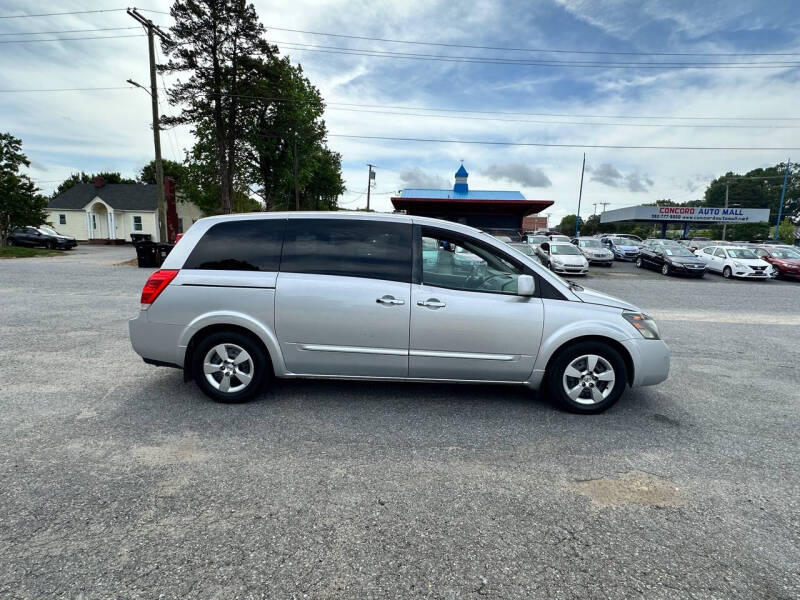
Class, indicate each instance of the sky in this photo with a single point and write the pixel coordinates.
(752, 107)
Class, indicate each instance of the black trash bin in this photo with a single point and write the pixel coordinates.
(146, 255)
(161, 251)
(141, 237)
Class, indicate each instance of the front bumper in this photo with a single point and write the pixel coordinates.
(631, 256)
(605, 260)
(568, 270)
(650, 361)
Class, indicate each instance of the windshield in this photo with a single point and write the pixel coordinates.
(785, 254)
(622, 242)
(559, 238)
(741, 253)
(524, 248)
(537, 239)
(48, 230)
(590, 244)
(677, 251)
(564, 249)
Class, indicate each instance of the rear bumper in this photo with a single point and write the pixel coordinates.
(156, 343)
(650, 361)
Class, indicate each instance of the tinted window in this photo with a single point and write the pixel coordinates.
(252, 245)
(348, 247)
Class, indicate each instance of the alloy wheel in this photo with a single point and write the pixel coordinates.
(228, 368)
(589, 379)
(665, 269)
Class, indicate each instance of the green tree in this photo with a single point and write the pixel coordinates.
(286, 152)
(171, 168)
(108, 177)
(219, 45)
(786, 231)
(20, 204)
(567, 225)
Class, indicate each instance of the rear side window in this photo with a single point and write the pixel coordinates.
(352, 248)
(251, 245)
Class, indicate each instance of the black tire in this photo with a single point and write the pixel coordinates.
(557, 367)
(10, 242)
(52, 246)
(639, 263)
(665, 269)
(261, 368)
(727, 273)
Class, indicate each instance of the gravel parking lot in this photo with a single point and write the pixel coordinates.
(120, 481)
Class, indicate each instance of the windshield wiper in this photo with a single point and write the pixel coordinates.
(574, 286)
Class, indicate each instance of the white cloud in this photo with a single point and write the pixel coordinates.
(519, 173)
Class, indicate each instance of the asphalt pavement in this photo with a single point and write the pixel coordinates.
(120, 481)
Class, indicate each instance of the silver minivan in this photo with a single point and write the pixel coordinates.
(244, 298)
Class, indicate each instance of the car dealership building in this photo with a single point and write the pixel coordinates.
(491, 210)
(685, 215)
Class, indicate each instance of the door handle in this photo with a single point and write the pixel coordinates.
(389, 300)
(431, 303)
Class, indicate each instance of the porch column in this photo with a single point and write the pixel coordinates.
(90, 232)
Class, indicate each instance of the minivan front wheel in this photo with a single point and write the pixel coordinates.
(587, 378)
(229, 366)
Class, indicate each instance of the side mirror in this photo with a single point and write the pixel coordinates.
(525, 285)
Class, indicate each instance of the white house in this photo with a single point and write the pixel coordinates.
(107, 211)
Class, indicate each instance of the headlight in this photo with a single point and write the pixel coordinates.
(738, 265)
(643, 324)
(556, 260)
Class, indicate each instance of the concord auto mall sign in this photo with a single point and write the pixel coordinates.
(683, 214)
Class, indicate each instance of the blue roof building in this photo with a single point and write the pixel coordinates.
(485, 209)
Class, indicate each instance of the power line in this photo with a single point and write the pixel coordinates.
(74, 12)
(534, 121)
(73, 39)
(552, 145)
(528, 62)
(67, 31)
(347, 107)
(541, 50)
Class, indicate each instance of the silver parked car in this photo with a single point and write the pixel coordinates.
(244, 298)
(594, 251)
(562, 258)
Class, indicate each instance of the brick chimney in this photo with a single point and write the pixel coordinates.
(98, 182)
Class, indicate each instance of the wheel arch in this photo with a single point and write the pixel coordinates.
(264, 338)
(619, 347)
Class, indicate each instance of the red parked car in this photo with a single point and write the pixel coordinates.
(784, 259)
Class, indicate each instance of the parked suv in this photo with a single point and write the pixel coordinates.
(243, 298)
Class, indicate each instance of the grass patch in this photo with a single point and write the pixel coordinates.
(21, 252)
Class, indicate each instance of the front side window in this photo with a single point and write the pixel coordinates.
(461, 264)
(137, 223)
(708, 250)
(348, 248)
(246, 245)
(62, 219)
(719, 252)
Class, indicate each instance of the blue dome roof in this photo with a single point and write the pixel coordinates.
(462, 172)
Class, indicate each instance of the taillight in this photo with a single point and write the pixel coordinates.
(156, 284)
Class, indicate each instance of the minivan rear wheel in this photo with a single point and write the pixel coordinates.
(229, 366)
(587, 378)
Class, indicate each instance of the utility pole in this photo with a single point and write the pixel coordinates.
(152, 31)
(604, 204)
(296, 188)
(580, 194)
(725, 224)
(370, 179)
(595, 207)
(783, 195)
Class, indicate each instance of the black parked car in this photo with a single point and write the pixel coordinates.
(40, 236)
(671, 260)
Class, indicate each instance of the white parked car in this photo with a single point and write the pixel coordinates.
(735, 261)
(563, 258)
